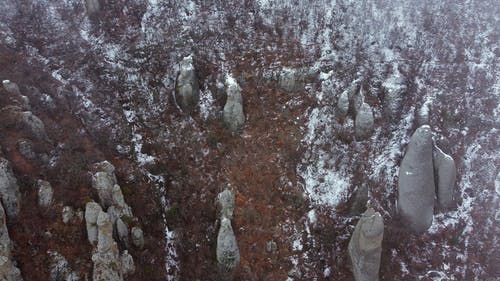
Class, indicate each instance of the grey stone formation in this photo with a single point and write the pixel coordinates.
(67, 214)
(92, 210)
(137, 237)
(228, 254)
(445, 174)
(60, 269)
(359, 200)
(234, 118)
(293, 80)
(34, 124)
(365, 246)
(363, 124)
(343, 104)
(187, 89)
(122, 231)
(11, 87)
(395, 90)
(106, 258)
(9, 190)
(127, 263)
(119, 203)
(92, 6)
(225, 204)
(416, 182)
(45, 194)
(25, 147)
(8, 271)
(271, 246)
(103, 182)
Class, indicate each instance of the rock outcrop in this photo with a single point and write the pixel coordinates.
(107, 263)
(365, 246)
(416, 186)
(92, 7)
(234, 118)
(137, 237)
(9, 190)
(92, 211)
(394, 92)
(187, 89)
(343, 104)
(293, 80)
(228, 254)
(45, 194)
(8, 271)
(103, 181)
(363, 124)
(67, 214)
(225, 204)
(11, 87)
(445, 175)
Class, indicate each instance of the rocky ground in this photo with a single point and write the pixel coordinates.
(332, 92)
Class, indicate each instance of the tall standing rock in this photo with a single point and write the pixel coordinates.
(104, 181)
(92, 211)
(107, 263)
(225, 204)
(363, 124)
(365, 246)
(234, 118)
(228, 253)
(92, 6)
(445, 175)
(45, 193)
(416, 187)
(9, 190)
(187, 89)
(8, 271)
(395, 90)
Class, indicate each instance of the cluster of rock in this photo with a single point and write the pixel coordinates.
(425, 171)
(187, 95)
(365, 246)
(11, 200)
(227, 253)
(107, 219)
(352, 100)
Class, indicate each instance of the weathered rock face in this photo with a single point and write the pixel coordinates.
(107, 263)
(8, 271)
(92, 210)
(45, 194)
(395, 91)
(187, 89)
(365, 246)
(294, 80)
(122, 231)
(445, 174)
(363, 124)
(104, 183)
(234, 118)
(225, 204)
(137, 237)
(25, 147)
(60, 269)
(228, 254)
(11, 87)
(67, 214)
(416, 182)
(92, 6)
(9, 190)
(343, 104)
(34, 125)
(127, 263)
(119, 202)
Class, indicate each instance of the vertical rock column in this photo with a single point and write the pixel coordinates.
(365, 246)
(9, 190)
(416, 187)
(8, 271)
(234, 118)
(187, 90)
(445, 174)
(228, 253)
